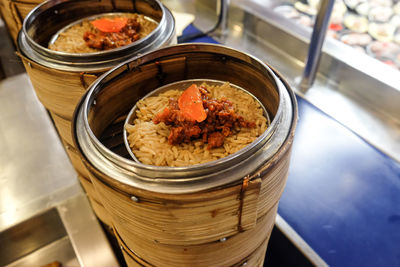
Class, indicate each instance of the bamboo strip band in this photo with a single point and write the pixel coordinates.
(101, 212)
(236, 250)
(59, 91)
(13, 14)
(245, 184)
(64, 128)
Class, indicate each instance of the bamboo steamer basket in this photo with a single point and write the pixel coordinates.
(60, 79)
(211, 258)
(217, 213)
(14, 12)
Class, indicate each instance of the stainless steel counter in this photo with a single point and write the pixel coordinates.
(38, 182)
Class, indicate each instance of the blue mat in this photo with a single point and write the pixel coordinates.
(193, 30)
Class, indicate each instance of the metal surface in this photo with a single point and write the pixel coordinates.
(30, 235)
(34, 37)
(85, 233)
(58, 251)
(317, 39)
(221, 25)
(270, 91)
(36, 176)
(32, 156)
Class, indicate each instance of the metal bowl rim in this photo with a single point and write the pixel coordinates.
(54, 54)
(121, 160)
(162, 88)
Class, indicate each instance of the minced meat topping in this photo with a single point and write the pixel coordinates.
(109, 39)
(195, 115)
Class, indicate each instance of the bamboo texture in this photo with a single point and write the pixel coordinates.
(59, 91)
(182, 230)
(64, 128)
(14, 12)
(157, 216)
(100, 212)
(87, 185)
(242, 250)
(76, 160)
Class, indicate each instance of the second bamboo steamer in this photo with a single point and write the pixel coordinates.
(61, 78)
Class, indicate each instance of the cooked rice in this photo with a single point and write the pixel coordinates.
(71, 40)
(149, 141)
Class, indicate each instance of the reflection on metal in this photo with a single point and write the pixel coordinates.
(223, 13)
(30, 235)
(317, 40)
(85, 233)
(58, 251)
(37, 178)
(221, 25)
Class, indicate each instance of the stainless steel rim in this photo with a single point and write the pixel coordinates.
(171, 86)
(163, 35)
(194, 178)
(55, 36)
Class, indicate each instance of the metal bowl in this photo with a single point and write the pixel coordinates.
(45, 21)
(180, 85)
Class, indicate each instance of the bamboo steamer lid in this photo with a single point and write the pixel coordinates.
(169, 211)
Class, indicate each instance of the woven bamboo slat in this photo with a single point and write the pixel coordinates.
(241, 250)
(89, 188)
(13, 23)
(258, 257)
(76, 160)
(59, 91)
(14, 12)
(256, 260)
(233, 250)
(64, 128)
(24, 7)
(192, 218)
(100, 212)
(87, 185)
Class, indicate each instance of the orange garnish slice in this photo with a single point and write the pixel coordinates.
(110, 25)
(191, 104)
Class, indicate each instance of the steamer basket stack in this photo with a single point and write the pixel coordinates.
(219, 213)
(60, 79)
(214, 214)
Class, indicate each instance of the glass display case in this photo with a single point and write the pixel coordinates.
(360, 91)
